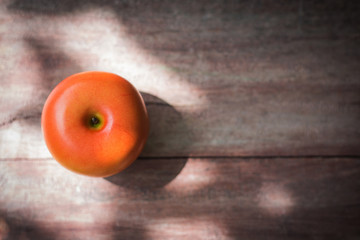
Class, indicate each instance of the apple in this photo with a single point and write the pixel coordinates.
(95, 123)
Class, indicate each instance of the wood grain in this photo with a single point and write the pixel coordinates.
(196, 198)
(242, 78)
(275, 79)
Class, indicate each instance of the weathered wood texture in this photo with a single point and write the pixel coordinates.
(220, 78)
(208, 199)
(240, 78)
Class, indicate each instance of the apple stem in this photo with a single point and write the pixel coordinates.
(94, 121)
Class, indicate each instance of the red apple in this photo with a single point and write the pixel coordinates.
(95, 123)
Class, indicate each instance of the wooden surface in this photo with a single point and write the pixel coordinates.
(254, 109)
(209, 199)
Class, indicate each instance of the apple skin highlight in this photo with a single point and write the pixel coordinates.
(95, 123)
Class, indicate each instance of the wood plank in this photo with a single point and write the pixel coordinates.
(196, 198)
(243, 78)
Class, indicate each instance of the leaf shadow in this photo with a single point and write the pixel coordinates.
(49, 58)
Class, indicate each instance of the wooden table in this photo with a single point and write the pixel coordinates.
(254, 109)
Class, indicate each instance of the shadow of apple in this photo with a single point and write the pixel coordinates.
(155, 168)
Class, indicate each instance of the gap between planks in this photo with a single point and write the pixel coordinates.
(212, 157)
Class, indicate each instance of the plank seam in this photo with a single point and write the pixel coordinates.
(211, 157)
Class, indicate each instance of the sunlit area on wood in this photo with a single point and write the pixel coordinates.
(193, 177)
(178, 228)
(111, 48)
(106, 47)
(275, 199)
